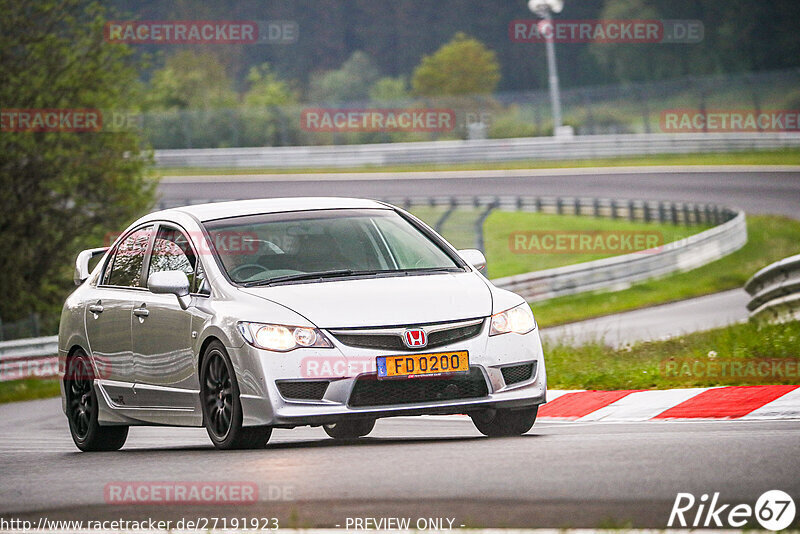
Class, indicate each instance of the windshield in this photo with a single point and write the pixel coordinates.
(282, 247)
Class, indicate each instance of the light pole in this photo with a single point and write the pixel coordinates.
(544, 9)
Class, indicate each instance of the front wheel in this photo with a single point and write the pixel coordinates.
(350, 429)
(504, 422)
(222, 409)
(82, 409)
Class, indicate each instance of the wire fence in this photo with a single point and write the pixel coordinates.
(34, 325)
(634, 108)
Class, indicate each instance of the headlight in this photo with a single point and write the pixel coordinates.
(518, 320)
(282, 338)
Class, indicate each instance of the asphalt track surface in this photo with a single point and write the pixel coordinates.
(657, 322)
(557, 475)
(755, 190)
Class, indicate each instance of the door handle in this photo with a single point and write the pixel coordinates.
(141, 312)
(96, 308)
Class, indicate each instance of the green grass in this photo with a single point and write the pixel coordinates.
(765, 157)
(770, 238)
(671, 363)
(504, 259)
(28, 389)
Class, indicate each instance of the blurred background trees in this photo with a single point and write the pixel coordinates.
(62, 191)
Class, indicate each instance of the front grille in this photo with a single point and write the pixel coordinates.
(373, 341)
(452, 335)
(303, 389)
(518, 373)
(369, 391)
(395, 341)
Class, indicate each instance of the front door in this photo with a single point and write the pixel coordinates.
(166, 375)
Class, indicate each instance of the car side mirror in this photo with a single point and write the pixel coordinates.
(171, 283)
(82, 262)
(474, 257)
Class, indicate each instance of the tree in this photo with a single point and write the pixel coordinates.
(266, 117)
(387, 90)
(266, 89)
(642, 61)
(193, 97)
(62, 191)
(349, 83)
(191, 80)
(464, 66)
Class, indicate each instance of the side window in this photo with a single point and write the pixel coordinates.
(125, 267)
(172, 252)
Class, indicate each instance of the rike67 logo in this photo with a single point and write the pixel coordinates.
(774, 510)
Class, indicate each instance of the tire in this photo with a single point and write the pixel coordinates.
(222, 409)
(504, 422)
(83, 409)
(350, 429)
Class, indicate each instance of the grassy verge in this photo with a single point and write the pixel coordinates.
(730, 356)
(28, 389)
(765, 157)
(770, 238)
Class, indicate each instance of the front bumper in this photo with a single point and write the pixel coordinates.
(262, 403)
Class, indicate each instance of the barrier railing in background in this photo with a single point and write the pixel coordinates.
(775, 291)
(485, 150)
(31, 357)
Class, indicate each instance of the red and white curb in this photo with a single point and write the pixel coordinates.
(735, 402)
(745, 403)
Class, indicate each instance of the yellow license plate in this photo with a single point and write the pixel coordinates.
(438, 363)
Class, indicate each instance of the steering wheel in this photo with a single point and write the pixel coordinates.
(234, 273)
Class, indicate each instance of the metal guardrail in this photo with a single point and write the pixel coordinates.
(32, 357)
(775, 291)
(38, 356)
(485, 150)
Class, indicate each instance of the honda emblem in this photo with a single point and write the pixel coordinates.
(415, 338)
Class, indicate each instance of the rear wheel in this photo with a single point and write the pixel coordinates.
(222, 409)
(82, 409)
(350, 429)
(504, 422)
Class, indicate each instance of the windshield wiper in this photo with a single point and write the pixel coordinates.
(301, 276)
(347, 272)
(424, 270)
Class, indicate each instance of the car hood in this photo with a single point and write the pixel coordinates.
(388, 301)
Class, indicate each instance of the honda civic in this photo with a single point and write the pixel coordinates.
(246, 316)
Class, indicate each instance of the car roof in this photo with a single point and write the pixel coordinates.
(221, 210)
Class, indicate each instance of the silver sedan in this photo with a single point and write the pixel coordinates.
(253, 315)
